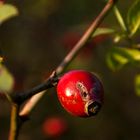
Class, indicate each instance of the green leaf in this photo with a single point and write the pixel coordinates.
(120, 19)
(117, 57)
(6, 80)
(119, 37)
(137, 85)
(7, 11)
(102, 31)
(133, 17)
(1, 59)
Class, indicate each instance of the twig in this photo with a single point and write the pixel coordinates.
(14, 122)
(19, 98)
(70, 56)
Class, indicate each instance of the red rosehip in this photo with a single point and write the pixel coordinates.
(54, 126)
(71, 38)
(80, 93)
(2, 1)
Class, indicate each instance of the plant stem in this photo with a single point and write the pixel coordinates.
(71, 55)
(19, 98)
(14, 122)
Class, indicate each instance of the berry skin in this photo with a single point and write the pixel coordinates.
(80, 93)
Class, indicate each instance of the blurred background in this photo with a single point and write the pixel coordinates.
(35, 42)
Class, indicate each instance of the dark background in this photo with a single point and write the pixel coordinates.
(35, 42)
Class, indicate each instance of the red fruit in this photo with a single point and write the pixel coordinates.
(72, 37)
(1, 1)
(80, 93)
(54, 127)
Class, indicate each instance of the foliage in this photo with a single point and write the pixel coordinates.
(133, 17)
(6, 80)
(137, 85)
(102, 31)
(117, 57)
(7, 11)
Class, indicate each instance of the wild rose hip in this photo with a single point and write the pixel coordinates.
(1, 1)
(80, 93)
(54, 127)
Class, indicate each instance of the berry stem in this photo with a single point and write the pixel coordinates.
(19, 98)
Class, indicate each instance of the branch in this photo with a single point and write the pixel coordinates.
(19, 98)
(70, 56)
(14, 122)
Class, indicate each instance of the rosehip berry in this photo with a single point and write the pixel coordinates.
(1, 1)
(80, 93)
(54, 126)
